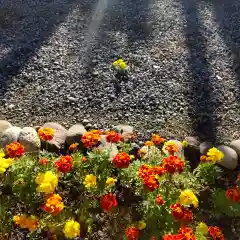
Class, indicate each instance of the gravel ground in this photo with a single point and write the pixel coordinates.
(182, 54)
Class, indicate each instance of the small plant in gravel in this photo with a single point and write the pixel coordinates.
(158, 197)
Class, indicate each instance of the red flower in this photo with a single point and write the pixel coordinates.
(151, 183)
(132, 233)
(14, 150)
(113, 137)
(46, 134)
(64, 164)
(181, 213)
(216, 233)
(154, 238)
(159, 200)
(43, 161)
(121, 160)
(233, 194)
(159, 170)
(184, 233)
(108, 201)
(173, 164)
(144, 171)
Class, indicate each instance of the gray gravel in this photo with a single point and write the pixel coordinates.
(183, 58)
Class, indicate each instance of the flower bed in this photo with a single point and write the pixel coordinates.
(147, 193)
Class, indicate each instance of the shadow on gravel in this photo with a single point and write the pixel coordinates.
(126, 25)
(227, 14)
(24, 26)
(201, 111)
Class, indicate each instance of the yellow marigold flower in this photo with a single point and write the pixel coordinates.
(141, 225)
(2, 154)
(111, 181)
(47, 182)
(148, 144)
(202, 228)
(4, 164)
(187, 197)
(214, 155)
(170, 147)
(71, 229)
(90, 181)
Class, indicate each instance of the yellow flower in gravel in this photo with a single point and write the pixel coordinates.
(141, 225)
(111, 181)
(187, 197)
(71, 229)
(4, 164)
(214, 155)
(47, 182)
(90, 181)
(120, 64)
(202, 228)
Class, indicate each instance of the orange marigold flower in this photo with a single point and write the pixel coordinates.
(203, 158)
(53, 204)
(73, 147)
(46, 134)
(216, 233)
(121, 160)
(158, 170)
(43, 161)
(31, 222)
(132, 233)
(159, 200)
(84, 159)
(14, 150)
(233, 194)
(181, 213)
(108, 201)
(156, 139)
(186, 233)
(113, 137)
(151, 183)
(91, 138)
(64, 164)
(148, 143)
(171, 147)
(173, 164)
(144, 171)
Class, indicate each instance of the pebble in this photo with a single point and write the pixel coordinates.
(230, 160)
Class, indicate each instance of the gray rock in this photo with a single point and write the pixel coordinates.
(75, 133)
(192, 141)
(10, 135)
(111, 147)
(125, 130)
(204, 147)
(60, 134)
(28, 137)
(4, 125)
(235, 144)
(230, 160)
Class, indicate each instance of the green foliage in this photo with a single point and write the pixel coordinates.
(224, 206)
(206, 173)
